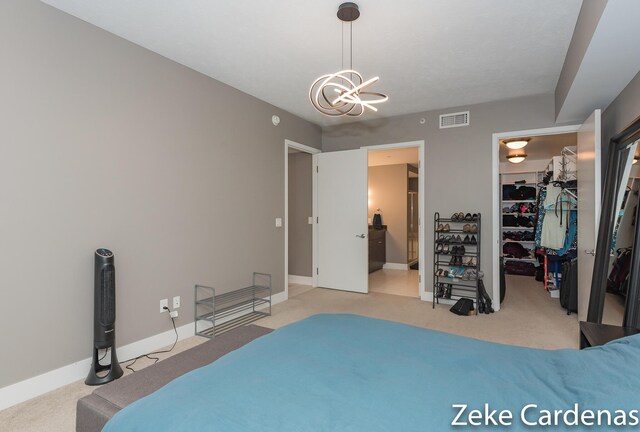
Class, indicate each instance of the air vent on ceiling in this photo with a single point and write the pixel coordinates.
(454, 120)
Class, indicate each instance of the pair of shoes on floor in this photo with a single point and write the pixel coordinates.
(442, 249)
(456, 272)
(443, 228)
(442, 273)
(470, 228)
(449, 239)
(470, 261)
(472, 240)
(458, 250)
(443, 290)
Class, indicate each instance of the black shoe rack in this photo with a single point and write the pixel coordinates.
(456, 257)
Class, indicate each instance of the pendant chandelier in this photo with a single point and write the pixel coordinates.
(344, 93)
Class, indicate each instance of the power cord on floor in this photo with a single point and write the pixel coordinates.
(151, 354)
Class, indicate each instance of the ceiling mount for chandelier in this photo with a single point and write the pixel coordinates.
(344, 92)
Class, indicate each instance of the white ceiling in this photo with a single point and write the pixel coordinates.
(407, 155)
(542, 147)
(429, 54)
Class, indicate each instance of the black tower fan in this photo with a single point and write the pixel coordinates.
(104, 319)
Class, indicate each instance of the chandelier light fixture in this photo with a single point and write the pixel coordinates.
(344, 93)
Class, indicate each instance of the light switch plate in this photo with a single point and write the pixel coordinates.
(278, 222)
(176, 302)
(310, 220)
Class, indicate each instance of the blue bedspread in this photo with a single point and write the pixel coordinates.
(350, 373)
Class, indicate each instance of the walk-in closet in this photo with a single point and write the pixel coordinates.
(539, 219)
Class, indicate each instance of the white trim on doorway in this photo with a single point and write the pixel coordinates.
(422, 204)
(313, 152)
(496, 239)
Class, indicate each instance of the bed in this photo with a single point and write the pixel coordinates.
(351, 373)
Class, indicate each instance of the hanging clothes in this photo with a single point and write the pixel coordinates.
(553, 232)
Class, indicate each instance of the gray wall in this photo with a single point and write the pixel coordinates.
(588, 20)
(300, 209)
(621, 112)
(106, 144)
(457, 161)
(388, 188)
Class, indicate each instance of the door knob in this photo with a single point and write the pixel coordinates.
(361, 235)
(590, 252)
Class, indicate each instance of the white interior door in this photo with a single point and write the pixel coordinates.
(589, 202)
(343, 244)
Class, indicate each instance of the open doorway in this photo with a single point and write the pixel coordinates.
(300, 214)
(393, 218)
(539, 215)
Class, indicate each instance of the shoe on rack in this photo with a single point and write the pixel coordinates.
(468, 217)
(439, 248)
(474, 241)
(446, 291)
(461, 250)
(473, 261)
(439, 290)
(466, 228)
(446, 228)
(474, 228)
(474, 217)
(466, 240)
(452, 261)
(454, 217)
(440, 228)
(445, 249)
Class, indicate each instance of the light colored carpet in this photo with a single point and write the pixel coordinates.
(528, 318)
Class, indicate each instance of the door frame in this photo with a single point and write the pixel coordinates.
(496, 237)
(314, 210)
(421, 207)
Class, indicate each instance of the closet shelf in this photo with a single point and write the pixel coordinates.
(533, 260)
(518, 214)
(509, 228)
(519, 201)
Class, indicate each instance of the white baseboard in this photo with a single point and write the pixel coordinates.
(48, 381)
(395, 266)
(302, 280)
(32, 387)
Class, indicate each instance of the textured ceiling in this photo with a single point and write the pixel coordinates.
(429, 54)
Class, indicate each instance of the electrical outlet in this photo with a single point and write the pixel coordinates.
(173, 314)
(164, 303)
(176, 302)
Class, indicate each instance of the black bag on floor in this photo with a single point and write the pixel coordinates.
(569, 286)
(462, 307)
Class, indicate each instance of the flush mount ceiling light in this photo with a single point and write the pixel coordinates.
(517, 144)
(344, 92)
(635, 160)
(516, 158)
